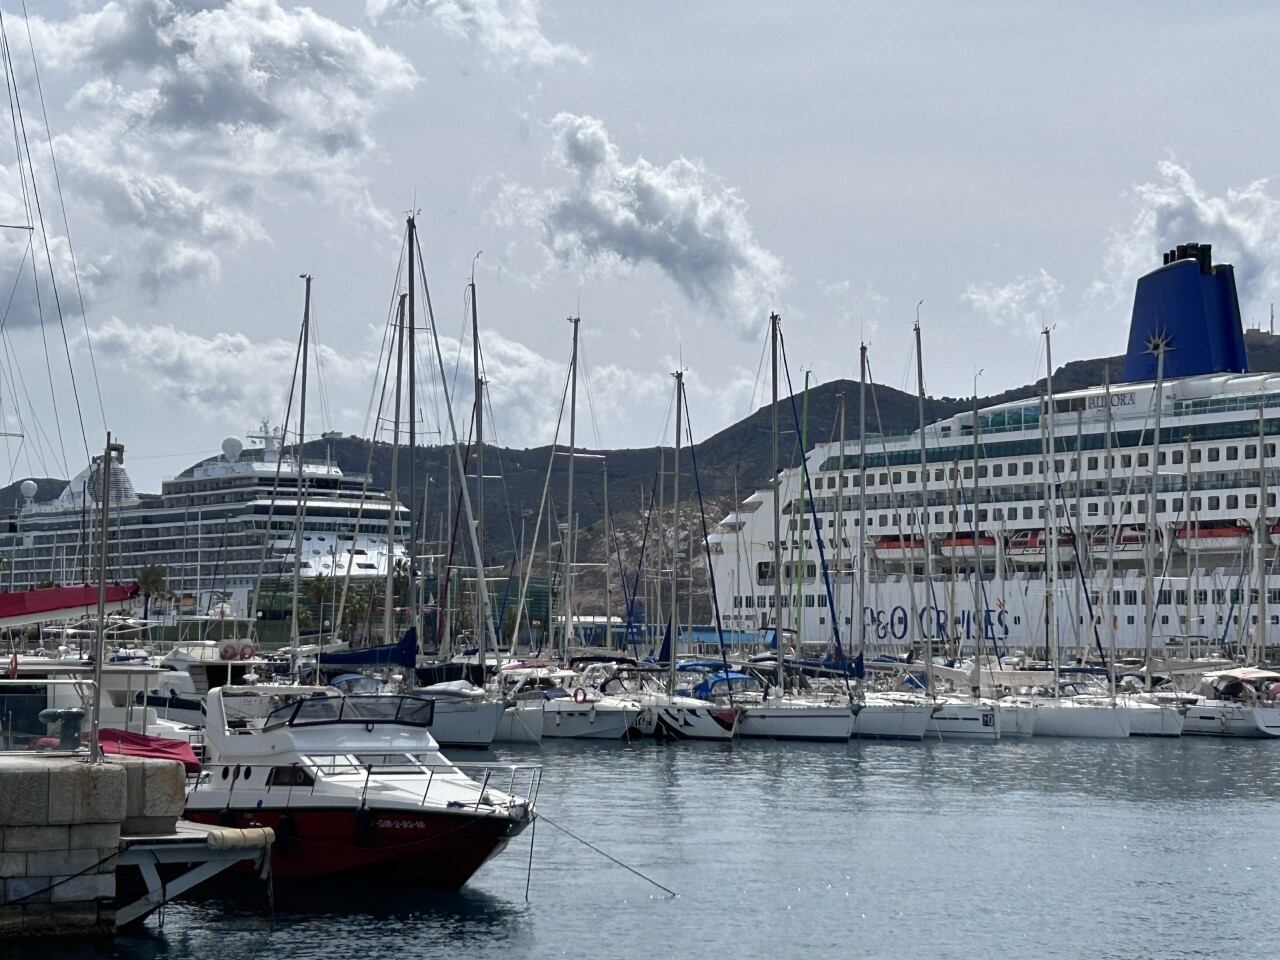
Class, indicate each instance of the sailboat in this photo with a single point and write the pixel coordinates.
(776, 714)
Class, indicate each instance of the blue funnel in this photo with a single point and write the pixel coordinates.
(1192, 304)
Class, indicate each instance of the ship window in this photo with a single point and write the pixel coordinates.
(1214, 454)
(1250, 451)
(1177, 456)
(808, 599)
(1027, 468)
(1215, 503)
(1131, 620)
(1026, 513)
(289, 777)
(1269, 450)
(822, 599)
(1058, 466)
(1219, 597)
(968, 473)
(884, 478)
(1093, 509)
(1233, 452)
(1164, 618)
(897, 476)
(1144, 460)
(1131, 597)
(1271, 499)
(1196, 456)
(1233, 502)
(1126, 460)
(1195, 503)
(1177, 504)
(1093, 463)
(937, 516)
(1181, 598)
(1251, 500)
(1159, 506)
(938, 474)
(1162, 458)
(997, 470)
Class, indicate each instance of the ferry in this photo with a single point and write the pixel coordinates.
(218, 528)
(1012, 533)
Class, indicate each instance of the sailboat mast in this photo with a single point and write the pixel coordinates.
(675, 538)
(924, 515)
(1152, 524)
(568, 550)
(1259, 538)
(415, 615)
(1051, 542)
(774, 321)
(389, 597)
(479, 403)
(838, 605)
(1108, 607)
(862, 500)
(298, 460)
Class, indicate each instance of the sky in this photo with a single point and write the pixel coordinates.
(671, 172)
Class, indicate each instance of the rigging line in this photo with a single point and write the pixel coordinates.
(817, 531)
(608, 856)
(706, 546)
(370, 426)
(66, 226)
(48, 253)
(591, 405)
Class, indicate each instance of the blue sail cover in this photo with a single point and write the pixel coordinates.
(1191, 304)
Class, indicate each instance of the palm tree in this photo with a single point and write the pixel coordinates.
(152, 580)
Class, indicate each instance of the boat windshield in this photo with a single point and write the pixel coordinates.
(406, 711)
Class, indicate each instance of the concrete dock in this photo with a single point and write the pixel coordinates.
(71, 831)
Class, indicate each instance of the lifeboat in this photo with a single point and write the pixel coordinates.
(965, 546)
(896, 549)
(1029, 546)
(1227, 536)
(1129, 543)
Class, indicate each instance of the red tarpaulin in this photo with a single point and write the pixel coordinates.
(123, 743)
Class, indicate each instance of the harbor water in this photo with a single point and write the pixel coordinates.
(1040, 848)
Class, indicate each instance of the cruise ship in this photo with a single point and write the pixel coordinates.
(218, 529)
(1152, 527)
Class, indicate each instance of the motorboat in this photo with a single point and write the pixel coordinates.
(570, 710)
(356, 787)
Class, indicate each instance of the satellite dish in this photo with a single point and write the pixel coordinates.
(28, 488)
(232, 448)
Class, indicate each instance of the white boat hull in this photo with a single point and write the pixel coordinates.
(468, 724)
(684, 718)
(1067, 718)
(565, 719)
(964, 721)
(1016, 719)
(1217, 718)
(1154, 720)
(796, 721)
(885, 720)
(521, 723)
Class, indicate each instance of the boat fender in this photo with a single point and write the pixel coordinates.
(364, 826)
(286, 832)
(246, 651)
(228, 651)
(579, 695)
(226, 817)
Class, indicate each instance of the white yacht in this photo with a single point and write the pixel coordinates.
(356, 788)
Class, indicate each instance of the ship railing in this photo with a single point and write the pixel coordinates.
(13, 740)
(465, 784)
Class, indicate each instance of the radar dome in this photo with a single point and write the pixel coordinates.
(232, 448)
(28, 488)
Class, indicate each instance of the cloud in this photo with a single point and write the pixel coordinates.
(511, 30)
(1243, 224)
(1024, 304)
(197, 115)
(230, 378)
(679, 217)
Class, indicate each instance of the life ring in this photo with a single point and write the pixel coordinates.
(580, 695)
